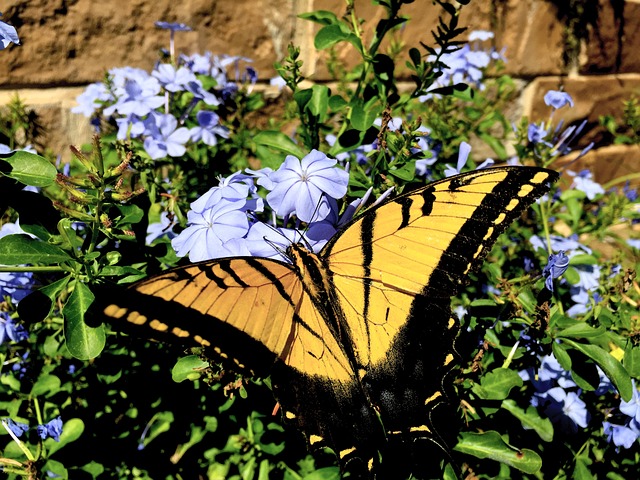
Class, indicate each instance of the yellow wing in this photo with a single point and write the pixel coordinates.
(358, 339)
(249, 311)
(423, 243)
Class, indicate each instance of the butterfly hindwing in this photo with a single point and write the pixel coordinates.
(358, 339)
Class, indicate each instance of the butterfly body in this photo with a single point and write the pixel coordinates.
(358, 339)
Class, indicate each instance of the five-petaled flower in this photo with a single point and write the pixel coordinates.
(303, 186)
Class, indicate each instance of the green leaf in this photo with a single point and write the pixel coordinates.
(337, 103)
(329, 35)
(28, 168)
(323, 17)
(581, 330)
(631, 360)
(611, 367)
(490, 445)
(279, 141)
(93, 468)
(71, 430)
(407, 172)
(362, 116)
(46, 385)
(319, 101)
(130, 214)
(83, 341)
(561, 355)
(187, 368)
(530, 419)
(160, 423)
(497, 384)
(20, 249)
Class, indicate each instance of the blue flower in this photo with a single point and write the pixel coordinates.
(160, 229)
(632, 407)
(619, 435)
(537, 133)
(558, 264)
(463, 156)
(165, 138)
(567, 409)
(634, 243)
(17, 428)
(10, 330)
(173, 26)
(51, 429)
(583, 181)
(303, 186)
(557, 99)
(215, 232)
(234, 187)
(138, 95)
(8, 34)
(172, 79)
(208, 129)
(93, 97)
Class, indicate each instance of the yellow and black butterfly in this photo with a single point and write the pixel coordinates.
(358, 338)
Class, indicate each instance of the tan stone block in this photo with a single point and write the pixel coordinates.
(75, 43)
(611, 166)
(532, 35)
(594, 96)
(53, 108)
(614, 36)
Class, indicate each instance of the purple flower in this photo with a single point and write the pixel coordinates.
(51, 429)
(10, 330)
(198, 91)
(160, 229)
(215, 232)
(8, 34)
(172, 79)
(174, 27)
(632, 407)
(583, 181)
(237, 186)
(138, 96)
(303, 186)
(17, 428)
(567, 409)
(93, 97)
(537, 133)
(166, 139)
(619, 435)
(463, 156)
(558, 264)
(557, 99)
(208, 129)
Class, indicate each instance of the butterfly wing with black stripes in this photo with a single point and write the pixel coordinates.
(358, 339)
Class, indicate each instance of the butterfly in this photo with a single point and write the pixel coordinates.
(359, 338)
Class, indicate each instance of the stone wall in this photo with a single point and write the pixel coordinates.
(69, 43)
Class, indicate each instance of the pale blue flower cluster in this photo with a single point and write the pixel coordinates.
(467, 64)
(626, 432)
(557, 395)
(138, 101)
(301, 193)
(543, 137)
